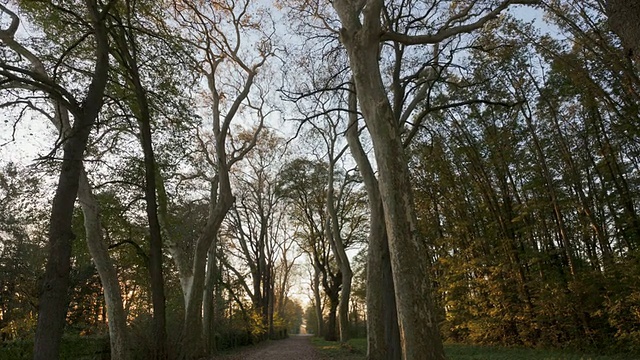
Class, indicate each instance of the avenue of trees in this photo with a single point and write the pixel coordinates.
(428, 170)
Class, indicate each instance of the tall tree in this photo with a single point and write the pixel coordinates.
(53, 299)
(383, 337)
(361, 34)
(218, 31)
(127, 53)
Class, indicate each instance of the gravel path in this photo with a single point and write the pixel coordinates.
(296, 347)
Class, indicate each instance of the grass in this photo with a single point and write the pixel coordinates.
(356, 349)
(470, 352)
(71, 348)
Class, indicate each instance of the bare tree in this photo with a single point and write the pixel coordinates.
(217, 30)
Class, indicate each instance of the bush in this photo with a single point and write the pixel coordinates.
(72, 348)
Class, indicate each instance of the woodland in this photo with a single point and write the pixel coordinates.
(181, 177)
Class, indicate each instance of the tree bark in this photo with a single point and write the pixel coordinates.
(54, 296)
(419, 333)
(192, 274)
(330, 333)
(118, 337)
(337, 246)
(317, 300)
(155, 248)
(208, 300)
(383, 337)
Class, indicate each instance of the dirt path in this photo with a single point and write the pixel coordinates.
(296, 347)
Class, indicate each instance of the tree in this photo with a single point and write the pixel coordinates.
(127, 52)
(53, 300)
(361, 34)
(217, 31)
(383, 337)
(257, 226)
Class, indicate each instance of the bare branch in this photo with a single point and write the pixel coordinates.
(447, 32)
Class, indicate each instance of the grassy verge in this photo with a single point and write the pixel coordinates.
(470, 352)
(356, 349)
(71, 348)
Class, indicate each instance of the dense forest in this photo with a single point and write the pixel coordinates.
(181, 177)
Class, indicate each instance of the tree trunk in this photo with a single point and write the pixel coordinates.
(193, 287)
(118, 337)
(343, 307)
(53, 299)
(54, 296)
(208, 300)
(330, 332)
(155, 251)
(419, 333)
(193, 345)
(127, 56)
(383, 337)
(318, 300)
(155, 235)
(337, 246)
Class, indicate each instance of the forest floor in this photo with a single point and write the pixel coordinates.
(296, 347)
(313, 348)
(356, 349)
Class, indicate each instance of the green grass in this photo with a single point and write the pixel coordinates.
(356, 349)
(72, 348)
(471, 352)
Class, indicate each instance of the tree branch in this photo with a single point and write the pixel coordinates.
(447, 32)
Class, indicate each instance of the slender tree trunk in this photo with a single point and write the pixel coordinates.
(209, 298)
(318, 300)
(155, 234)
(155, 252)
(337, 246)
(118, 336)
(127, 56)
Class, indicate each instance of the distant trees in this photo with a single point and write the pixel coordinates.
(21, 234)
(305, 183)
